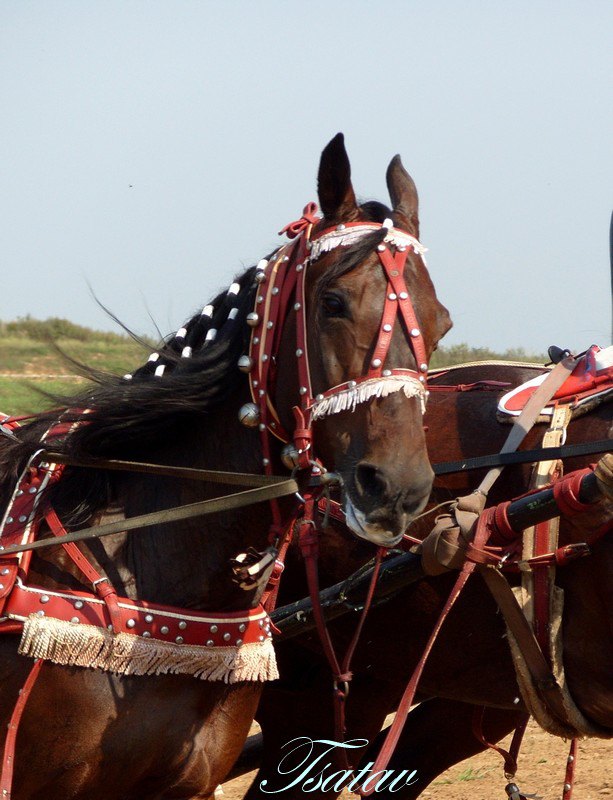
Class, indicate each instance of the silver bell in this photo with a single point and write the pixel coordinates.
(249, 415)
(290, 456)
(245, 363)
(253, 319)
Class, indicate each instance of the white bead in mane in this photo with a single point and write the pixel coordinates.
(347, 399)
(345, 237)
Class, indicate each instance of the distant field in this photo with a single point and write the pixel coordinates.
(30, 364)
(26, 361)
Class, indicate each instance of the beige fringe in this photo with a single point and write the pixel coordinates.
(348, 236)
(348, 399)
(76, 644)
(581, 726)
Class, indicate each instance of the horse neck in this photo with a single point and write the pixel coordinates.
(187, 563)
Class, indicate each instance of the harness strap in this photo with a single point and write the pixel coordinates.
(510, 755)
(8, 763)
(102, 585)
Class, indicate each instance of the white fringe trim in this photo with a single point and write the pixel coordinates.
(76, 644)
(348, 399)
(349, 236)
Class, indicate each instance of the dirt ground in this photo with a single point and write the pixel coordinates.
(541, 772)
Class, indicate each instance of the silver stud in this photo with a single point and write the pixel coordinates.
(387, 327)
(239, 642)
(214, 629)
(249, 415)
(265, 462)
(182, 625)
(226, 637)
(76, 620)
(261, 638)
(44, 598)
(269, 324)
(376, 362)
(256, 340)
(423, 367)
(259, 299)
(20, 491)
(210, 643)
(380, 247)
(32, 489)
(303, 390)
(401, 248)
(340, 227)
(245, 363)
(78, 604)
(261, 623)
(252, 319)
(1, 586)
(415, 332)
(567, 787)
(392, 296)
(275, 290)
(130, 623)
(261, 392)
(260, 277)
(22, 518)
(319, 397)
(109, 627)
(146, 634)
(40, 613)
(422, 379)
(352, 384)
(149, 618)
(403, 295)
(570, 759)
(164, 630)
(5, 571)
(300, 267)
(9, 520)
(299, 353)
(262, 427)
(297, 306)
(264, 357)
(179, 639)
(387, 373)
(242, 627)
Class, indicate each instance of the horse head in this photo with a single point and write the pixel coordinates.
(372, 321)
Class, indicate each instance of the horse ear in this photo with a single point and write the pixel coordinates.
(403, 194)
(336, 195)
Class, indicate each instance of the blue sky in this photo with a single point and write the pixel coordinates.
(153, 149)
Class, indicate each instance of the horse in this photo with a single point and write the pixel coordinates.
(470, 666)
(201, 403)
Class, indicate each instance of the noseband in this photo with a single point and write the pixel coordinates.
(281, 282)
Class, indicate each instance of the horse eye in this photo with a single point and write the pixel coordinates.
(333, 305)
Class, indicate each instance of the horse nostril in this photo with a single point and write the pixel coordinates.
(370, 481)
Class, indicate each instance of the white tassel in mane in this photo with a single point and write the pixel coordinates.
(348, 399)
(348, 236)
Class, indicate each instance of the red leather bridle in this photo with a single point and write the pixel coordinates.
(282, 281)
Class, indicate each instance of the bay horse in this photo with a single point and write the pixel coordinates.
(88, 734)
(470, 666)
